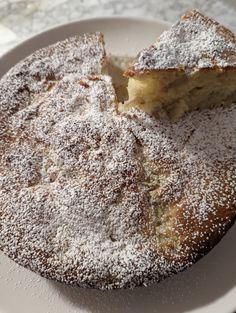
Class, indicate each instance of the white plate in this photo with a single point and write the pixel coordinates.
(208, 287)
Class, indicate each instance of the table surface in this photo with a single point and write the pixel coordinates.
(20, 19)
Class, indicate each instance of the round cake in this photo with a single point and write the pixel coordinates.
(98, 198)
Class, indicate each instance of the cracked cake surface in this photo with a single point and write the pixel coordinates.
(97, 198)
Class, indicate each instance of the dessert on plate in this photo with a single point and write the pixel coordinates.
(95, 197)
(191, 66)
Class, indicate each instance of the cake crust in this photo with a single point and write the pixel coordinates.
(194, 42)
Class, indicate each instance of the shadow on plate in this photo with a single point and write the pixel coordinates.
(206, 281)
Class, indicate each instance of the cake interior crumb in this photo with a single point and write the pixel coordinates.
(116, 68)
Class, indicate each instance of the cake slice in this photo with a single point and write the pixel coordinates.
(191, 66)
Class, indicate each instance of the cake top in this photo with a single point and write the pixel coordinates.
(38, 72)
(194, 42)
(92, 197)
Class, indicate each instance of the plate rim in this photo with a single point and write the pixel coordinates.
(37, 35)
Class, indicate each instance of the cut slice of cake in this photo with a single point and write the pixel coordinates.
(191, 66)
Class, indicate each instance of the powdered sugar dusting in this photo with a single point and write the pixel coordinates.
(100, 199)
(193, 42)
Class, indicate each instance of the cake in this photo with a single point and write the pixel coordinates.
(93, 197)
(191, 66)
